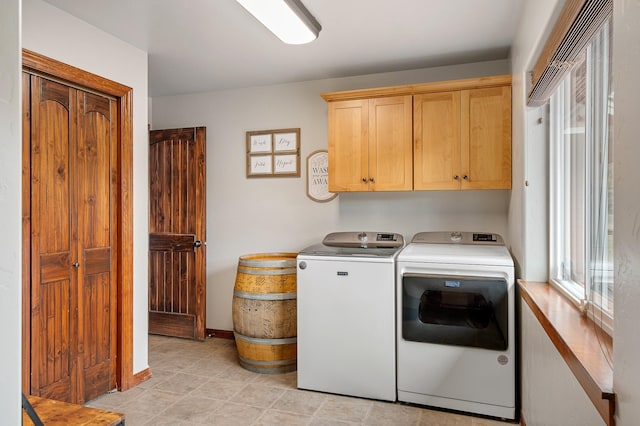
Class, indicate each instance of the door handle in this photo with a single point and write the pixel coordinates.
(197, 244)
(75, 265)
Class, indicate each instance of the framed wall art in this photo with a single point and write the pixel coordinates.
(273, 153)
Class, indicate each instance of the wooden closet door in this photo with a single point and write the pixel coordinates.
(54, 291)
(94, 200)
(73, 323)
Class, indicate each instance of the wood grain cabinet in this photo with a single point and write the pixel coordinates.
(448, 135)
(370, 144)
(462, 139)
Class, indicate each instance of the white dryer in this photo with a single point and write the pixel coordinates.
(456, 323)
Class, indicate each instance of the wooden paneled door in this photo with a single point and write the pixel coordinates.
(177, 226)
(72, 152)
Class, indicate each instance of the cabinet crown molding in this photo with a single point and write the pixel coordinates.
(415, 89)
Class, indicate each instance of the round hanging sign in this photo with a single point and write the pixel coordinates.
(318, 177)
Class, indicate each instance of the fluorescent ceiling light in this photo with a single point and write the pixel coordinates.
(289, 20)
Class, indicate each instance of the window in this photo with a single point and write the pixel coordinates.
(581, 165)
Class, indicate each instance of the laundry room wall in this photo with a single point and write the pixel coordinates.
(10, 218)
(626, 341)
(274, 214)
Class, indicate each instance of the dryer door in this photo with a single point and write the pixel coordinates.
(452, 310)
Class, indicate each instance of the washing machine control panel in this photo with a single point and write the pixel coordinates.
(364, 239)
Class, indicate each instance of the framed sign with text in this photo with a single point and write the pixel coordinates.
(273, 153)
(318, 177)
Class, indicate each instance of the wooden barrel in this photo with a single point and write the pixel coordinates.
(264, 312)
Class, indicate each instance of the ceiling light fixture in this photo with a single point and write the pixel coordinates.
(289, 20)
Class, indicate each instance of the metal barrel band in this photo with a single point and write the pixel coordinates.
(265, 296)
(268, 370)
(267, 363)
(268, 263)
(256, 340)
(267, 272)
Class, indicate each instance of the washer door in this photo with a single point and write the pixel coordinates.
(451, 310)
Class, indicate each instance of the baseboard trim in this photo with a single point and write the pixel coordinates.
(222, 334)
(142, 376)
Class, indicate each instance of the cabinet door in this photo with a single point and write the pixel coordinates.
(436, 130)
(486, 138)
(348, 146)
(390, 148)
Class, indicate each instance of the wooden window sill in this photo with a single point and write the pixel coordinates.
(576, 338)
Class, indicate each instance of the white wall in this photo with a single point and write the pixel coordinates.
(274, 214)
(550, 388)
(10, 218)
(528, 204)
(58, 35)
(626, 339)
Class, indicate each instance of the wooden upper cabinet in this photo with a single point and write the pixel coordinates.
(348, 145)
(462, 139)
(447, 135)
(370, 145)
(436, 127)
(486, 138)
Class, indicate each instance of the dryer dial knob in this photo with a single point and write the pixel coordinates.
(303, 265)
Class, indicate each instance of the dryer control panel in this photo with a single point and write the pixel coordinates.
(457, 237)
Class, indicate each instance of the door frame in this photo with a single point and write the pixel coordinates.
(51, 68)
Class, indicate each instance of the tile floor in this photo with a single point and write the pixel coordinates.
(201, 383)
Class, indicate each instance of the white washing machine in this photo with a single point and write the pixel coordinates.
(456, 323)
(346, 315)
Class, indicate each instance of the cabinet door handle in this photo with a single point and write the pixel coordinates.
(364, 179)
(372, 180)
(465, 177)
(75, 265)
(456, 177)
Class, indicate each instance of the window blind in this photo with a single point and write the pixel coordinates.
(577, 24)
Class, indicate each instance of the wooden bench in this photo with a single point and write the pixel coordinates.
(54, 413)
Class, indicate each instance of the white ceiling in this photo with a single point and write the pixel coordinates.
(203, 45)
